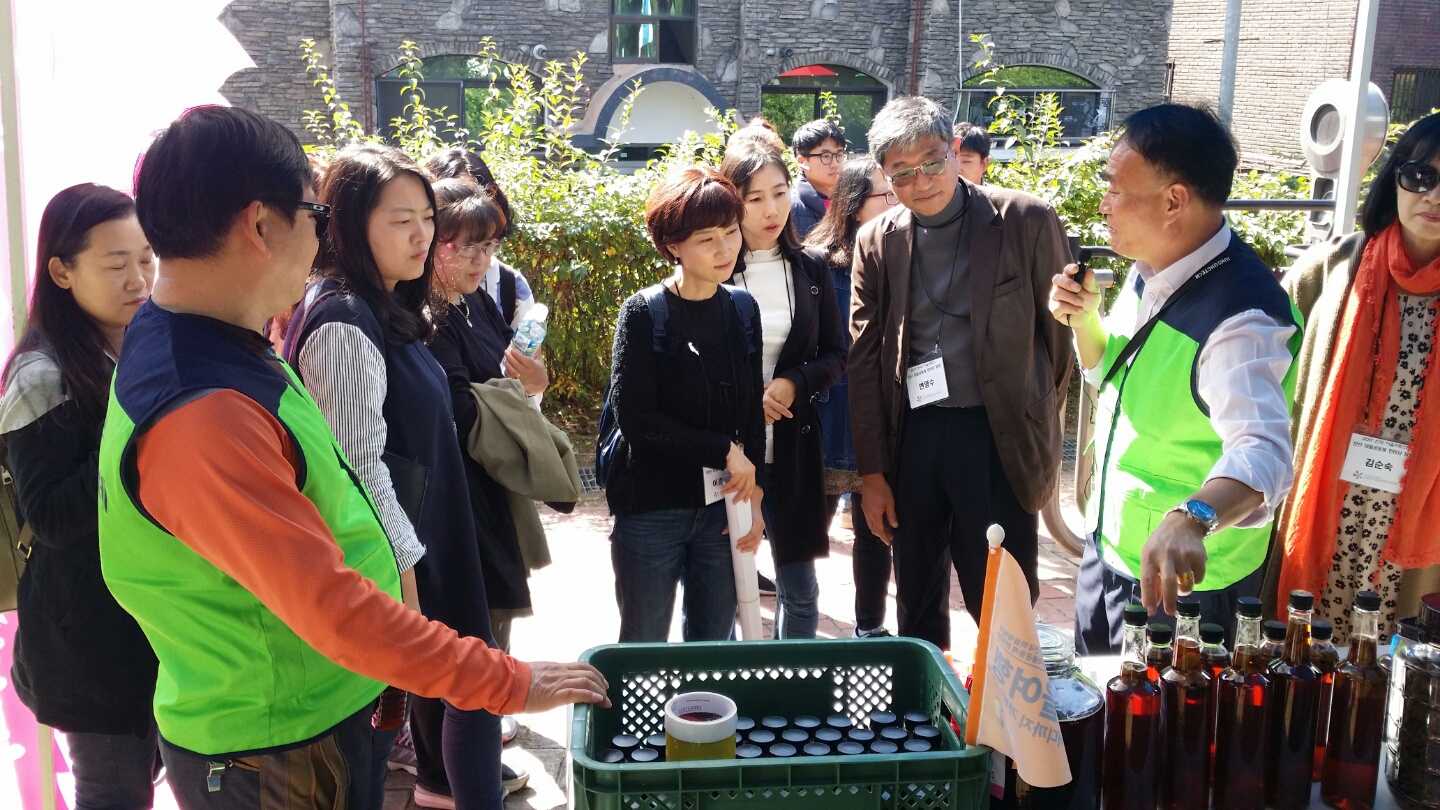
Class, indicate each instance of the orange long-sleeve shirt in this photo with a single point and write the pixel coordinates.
(219, 474)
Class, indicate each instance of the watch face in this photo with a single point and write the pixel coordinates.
(1201, 510)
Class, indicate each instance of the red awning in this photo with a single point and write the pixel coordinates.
(810, 70)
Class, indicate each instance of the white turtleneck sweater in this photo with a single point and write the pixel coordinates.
(767, 277)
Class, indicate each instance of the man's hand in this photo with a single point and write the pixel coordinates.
(1070, 301)
(779, 396)
(879, 504)
(1177, 547)
(553, 685)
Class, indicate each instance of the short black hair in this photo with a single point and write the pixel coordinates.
(205, 168)
(973, 138)
(810, 136)
(1419, 143)
(1187, 143)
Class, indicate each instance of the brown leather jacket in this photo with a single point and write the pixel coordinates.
(1023, 355)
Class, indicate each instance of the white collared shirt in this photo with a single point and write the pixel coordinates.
(1240, 376)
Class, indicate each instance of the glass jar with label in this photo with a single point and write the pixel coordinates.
(1080, 707)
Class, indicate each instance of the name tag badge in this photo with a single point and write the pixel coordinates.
(925, 381)
(714, 480)
(1374, 462)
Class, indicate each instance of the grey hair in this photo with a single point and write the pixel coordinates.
(905, 122)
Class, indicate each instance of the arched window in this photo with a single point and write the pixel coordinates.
(1086, 105)
(458, 84)
(793, 98)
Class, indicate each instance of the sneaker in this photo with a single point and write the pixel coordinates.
(878, 632)
(512, 778)
(846, 521)
(509, 729)
(767, 585)
(402, 754)
(430, 799)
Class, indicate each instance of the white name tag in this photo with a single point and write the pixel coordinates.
(714, 480)
(926, 382)
(1375, 462)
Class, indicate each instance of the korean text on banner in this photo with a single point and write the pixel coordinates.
(1010, 706)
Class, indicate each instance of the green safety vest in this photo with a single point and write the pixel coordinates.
(1154, 442)
(233, 677)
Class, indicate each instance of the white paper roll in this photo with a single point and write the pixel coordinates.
(747, 586)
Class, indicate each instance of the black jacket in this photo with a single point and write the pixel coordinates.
(81, 662)
(679, 409)
(813, 358)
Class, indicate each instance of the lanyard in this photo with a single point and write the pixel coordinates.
(1127, 354)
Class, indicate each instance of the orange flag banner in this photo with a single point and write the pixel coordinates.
(1010, 706)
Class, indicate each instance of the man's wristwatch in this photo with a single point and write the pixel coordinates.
(1200, 512)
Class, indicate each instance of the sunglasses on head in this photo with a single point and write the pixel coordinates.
(1416, 177)
(322, 215)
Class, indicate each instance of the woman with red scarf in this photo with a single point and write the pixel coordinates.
(1366, 424)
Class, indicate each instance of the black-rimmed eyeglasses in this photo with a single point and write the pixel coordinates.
(322, 215)
(826, 157)
(1417, 178)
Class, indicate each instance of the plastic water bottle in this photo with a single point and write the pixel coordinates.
(531, 332)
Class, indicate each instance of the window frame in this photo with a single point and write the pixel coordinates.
(1102, 97)
(658, 19)
(1416, 78)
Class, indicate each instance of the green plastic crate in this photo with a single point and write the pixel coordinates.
(854, 677)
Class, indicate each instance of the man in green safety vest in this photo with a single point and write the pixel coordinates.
(1194, 365)
(231, 524)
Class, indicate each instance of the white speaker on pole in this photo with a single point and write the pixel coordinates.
(1322, 136)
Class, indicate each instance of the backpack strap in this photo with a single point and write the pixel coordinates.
(745, 308)
(508, 300)
(659, 315)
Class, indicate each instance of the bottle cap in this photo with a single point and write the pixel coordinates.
(1160, 633)
(775, 723)
(782, 750)
(1188, 606)
(643, 755)
(807, 722)
(747, 751)
(1367, 600)
(927, 732)
(1430, 615)
(839, 721)
(829, 736)
(917, 746)
(913, 719)
(1321, 630)
(795, 736)
(1248, 606)
(1302, 600)
(625, 742)
(850, 749)
(816, 749)
(610, 756)
(1212, 634)
(883, 747)
(1274, 630)
(744, 724)
(1136, 616)
(894, 734)
(879, 720)
(861, 735)
(762, 737)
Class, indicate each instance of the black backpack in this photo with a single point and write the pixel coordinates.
(610, 444)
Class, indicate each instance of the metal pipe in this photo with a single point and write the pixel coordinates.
(1229, 56)
(1347, 190)
(367, 97)
(915, 47)
(15, 232)
(1279, 205)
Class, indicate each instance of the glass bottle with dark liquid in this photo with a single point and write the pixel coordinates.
(1080, 707)
(1242, 717)
(1412, 775)
(1357, 715)
(1214, 658)
(1186, 715)
(1294, 704)
(1326, 659)
(1132, 724)
(1158, 652)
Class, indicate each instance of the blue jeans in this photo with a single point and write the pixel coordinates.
(114, 771)
(654, 551)
(797, 592)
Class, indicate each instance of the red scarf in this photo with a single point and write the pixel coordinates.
(1367, 353)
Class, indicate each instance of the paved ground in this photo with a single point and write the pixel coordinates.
(575, 610)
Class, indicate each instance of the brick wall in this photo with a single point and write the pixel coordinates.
(1118, 44)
